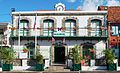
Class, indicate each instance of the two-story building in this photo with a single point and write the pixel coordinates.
(54, 32)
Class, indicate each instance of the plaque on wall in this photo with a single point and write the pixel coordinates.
(23, 55)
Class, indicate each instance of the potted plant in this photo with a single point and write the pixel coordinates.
(8, 56)
(76, 54)
(40, 63)
(110, 57)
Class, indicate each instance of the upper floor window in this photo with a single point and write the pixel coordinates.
(95, 25)
(70, 24)
(48, 26)
(115, 30)
(24, 24)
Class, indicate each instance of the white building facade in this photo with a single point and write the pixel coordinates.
(5, 33)
(55, 32)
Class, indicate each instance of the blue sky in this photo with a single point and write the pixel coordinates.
(29, 5)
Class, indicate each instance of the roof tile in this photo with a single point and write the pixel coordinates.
(114, 14)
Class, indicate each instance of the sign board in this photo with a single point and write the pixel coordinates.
(59, 33)
(92, 62)
(23, 55)
(47, 62)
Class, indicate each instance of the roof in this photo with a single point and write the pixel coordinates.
(114, 14)
(59, 12)
(3, 23)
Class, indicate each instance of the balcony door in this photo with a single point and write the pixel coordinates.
(24, 25)
(70, 24)
(48, 27)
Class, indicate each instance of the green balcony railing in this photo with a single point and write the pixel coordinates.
(81, 32)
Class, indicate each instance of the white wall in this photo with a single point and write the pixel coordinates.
(83, 22)
(45, 46)
(100, 46)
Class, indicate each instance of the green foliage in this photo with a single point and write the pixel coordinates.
(7, 55)
(39, 57)
(76, 54)
(109, 56)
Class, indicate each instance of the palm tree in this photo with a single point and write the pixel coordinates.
(76, 54)
(8, 56)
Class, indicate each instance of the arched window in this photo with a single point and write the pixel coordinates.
(95, 25)
(48, 26)
(70, 24)
(24, 24)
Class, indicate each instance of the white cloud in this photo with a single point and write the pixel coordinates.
(88, 5)
(113, 3)
(72, 1)
(92, 5)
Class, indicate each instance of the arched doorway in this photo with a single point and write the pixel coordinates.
(59, 53)
(86, 52)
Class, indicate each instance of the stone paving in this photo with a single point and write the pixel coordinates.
(62, 72)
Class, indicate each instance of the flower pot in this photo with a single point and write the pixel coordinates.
(11, 65)
(91, 62)
(7, 67)
(39, 67)
(112, 67)
(76, 67)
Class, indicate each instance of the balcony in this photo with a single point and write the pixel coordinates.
(60, 37)
(81, 33)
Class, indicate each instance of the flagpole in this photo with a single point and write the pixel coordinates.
(35, 34)
(19, 36)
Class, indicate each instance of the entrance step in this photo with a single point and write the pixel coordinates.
(57, 68)
(62, 72)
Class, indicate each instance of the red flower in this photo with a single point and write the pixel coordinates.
(13, 28)
(92, 50)
(25, 50)
(82, 62)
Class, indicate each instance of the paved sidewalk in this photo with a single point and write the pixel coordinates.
(53, 69)
(62, 72)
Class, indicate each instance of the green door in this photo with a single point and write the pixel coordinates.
(59, 54)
